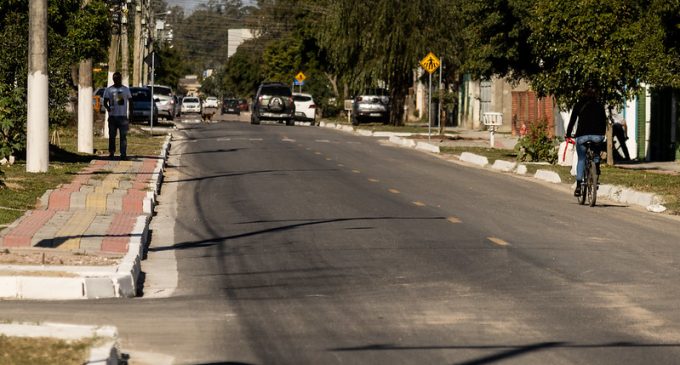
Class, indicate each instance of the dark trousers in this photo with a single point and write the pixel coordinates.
(117, 124)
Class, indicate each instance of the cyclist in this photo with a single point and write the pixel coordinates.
(591, 126)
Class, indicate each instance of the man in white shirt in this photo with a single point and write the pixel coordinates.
(118, 102)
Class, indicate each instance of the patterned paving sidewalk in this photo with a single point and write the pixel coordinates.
(95, 213)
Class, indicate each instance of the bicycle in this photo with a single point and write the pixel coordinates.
(591, 174)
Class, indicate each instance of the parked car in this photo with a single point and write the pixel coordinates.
(167, 103)
(211, 102)
(230, 106)
(305, 108)
(273, 101)
(373, 105)
(141, 105)
(191, 104)
(243, 105)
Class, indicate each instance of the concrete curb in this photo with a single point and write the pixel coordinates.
(90, 282)
(104, 353)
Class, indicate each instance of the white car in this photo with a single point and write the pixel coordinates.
(305, 108)
(211, 102)
(191, 104)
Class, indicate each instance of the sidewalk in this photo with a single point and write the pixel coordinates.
(104, 212)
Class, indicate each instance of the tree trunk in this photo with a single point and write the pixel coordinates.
(398, 90)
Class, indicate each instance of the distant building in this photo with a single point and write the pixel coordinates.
(235, 37)
(190, 85)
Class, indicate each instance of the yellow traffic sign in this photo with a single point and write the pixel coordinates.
(430, 63)
(300, 77)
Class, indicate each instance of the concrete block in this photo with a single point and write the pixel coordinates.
(347, 128)
(364, 132)
(547, 175)
(505, 166)
(124, 286)
(474, 159)
(96, 288)
(9, 287)
(54, 288)
(428, 147)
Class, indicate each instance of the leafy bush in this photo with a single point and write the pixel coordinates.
(537, 145)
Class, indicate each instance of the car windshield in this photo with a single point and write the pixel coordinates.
(277, 90)
(302, 98)
(140, 94)
(190, 100)
(162, 90)
(231, 102)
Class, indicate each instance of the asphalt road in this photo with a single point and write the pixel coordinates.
(303, 245)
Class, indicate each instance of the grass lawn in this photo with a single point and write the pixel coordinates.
(21, 190)
(30, 351)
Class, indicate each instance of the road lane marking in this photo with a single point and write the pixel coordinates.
(286, 139)
(224, 139)
(393, 191)
(356, 171)
(498, 241)
(255, 139)
(374, 180)
(317, 153)
(420, 204)
(328, 159)
(341, 165)
(454, 219)
(323, 141)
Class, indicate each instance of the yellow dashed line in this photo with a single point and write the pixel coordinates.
(498, 241)
(341, 165)
(374, 180)
(393, 191)
(328, 159)
(356, 171)
(453, 219)
(317, 153)
(420, 204)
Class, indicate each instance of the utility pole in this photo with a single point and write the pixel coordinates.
(85, 112)
(125, 48)
(113, 57)
(37, 126)
(137, 50)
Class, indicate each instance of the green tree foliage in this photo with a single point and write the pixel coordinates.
(563, 47)
(382, 41)
(171, 68)
(73, 34)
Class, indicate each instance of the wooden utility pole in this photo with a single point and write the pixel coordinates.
(37, 126)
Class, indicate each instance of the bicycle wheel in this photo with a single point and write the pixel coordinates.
(584, 186)
(592, 184)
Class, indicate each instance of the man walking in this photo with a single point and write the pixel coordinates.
(118, 102)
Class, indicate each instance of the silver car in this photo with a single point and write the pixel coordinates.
(166, 101)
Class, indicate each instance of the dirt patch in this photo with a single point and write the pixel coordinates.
(40, 257)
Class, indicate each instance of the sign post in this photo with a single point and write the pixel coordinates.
(300, 79)
(430, 64)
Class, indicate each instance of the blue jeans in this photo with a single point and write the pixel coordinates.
(116, 124)
(581, 153)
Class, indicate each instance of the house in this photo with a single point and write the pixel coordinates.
(652, 116)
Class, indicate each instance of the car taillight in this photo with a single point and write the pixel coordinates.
(312, 106)
(359, 98)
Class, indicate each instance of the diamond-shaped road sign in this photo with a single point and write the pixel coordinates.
(300, 77)
(430, 63)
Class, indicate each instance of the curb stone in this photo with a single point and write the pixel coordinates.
(547, 175)
(89, 282)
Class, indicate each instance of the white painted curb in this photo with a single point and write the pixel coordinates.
(547, 175)
(505, 166)
(428, 147)
(474, 159)
(88, 282)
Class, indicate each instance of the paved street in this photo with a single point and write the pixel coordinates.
(303, 245)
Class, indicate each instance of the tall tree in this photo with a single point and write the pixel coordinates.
(383, 40)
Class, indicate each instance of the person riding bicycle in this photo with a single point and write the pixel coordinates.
(591, 126)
